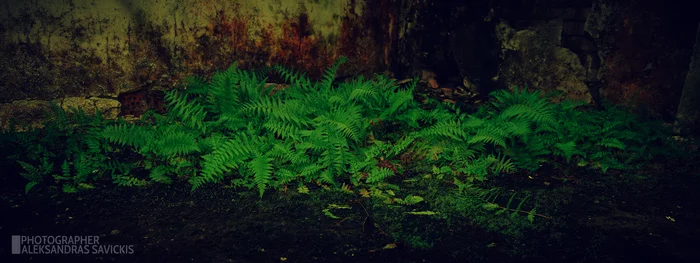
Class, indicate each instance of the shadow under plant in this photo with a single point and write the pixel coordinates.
(361, 171)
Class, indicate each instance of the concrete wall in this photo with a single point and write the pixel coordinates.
(111, 48)
(636, 52)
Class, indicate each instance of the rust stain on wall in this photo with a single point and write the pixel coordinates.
(139, 50)
(300, 48)
(294, 42)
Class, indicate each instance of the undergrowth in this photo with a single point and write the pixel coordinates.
(360, 137)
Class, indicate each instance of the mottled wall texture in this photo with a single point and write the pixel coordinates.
(112, 48)
(645, 46)
(634, 52)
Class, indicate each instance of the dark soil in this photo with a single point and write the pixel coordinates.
(652, 215)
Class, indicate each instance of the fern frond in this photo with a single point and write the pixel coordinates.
(488, 136)
(160, 174)
(309, 171)
(261, 167)
(191, 113)
(128, 181)
(31, 172)
(283, 129)
(263, 105)
(284, 176)
(398, 100)
(177, 143)
(379, 174)
(196, 85)
(128, 135)
(329, 74)
(401, 145)
(451, 129)
(362, 92)
(567, 149)
(295, 78)
(224, 158)
(327, 177)
(501, 164)
(611, 143)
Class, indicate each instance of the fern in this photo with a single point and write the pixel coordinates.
(567, 150)
(159, 174)
(295, 78)
(177, 143)
(190, 113)
(261, 167)
(128, 135)
(224, 158)
(611, 143)
(329, 74)
(128, 181)
(379, 174)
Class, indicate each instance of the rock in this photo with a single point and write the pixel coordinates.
(30, 112)
(433, 83)
(447, 91)
(70, 103)
(427, 74)
(534, 58)
(33, 112)
(601, 21)
(110, 108)
(471, 87)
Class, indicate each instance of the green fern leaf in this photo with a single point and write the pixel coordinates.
(261, 167)
(379, 174)
(567, 149)
(611, 143)
(159, 174)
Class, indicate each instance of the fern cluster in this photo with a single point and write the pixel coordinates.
(68, 149)
(235, 126)
(334, 133)
(364, 133)
(521, 130)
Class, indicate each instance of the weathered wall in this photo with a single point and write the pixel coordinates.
(129, 49)
(688, 116)
(646, 47)
(632, 51)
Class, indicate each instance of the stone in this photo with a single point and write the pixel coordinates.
(447, 92)
(433, 83)
(70, 103)
(110, 108)
(601, 21)
(30, 112)
(33, 112)
(534, 58)
(688, 114)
